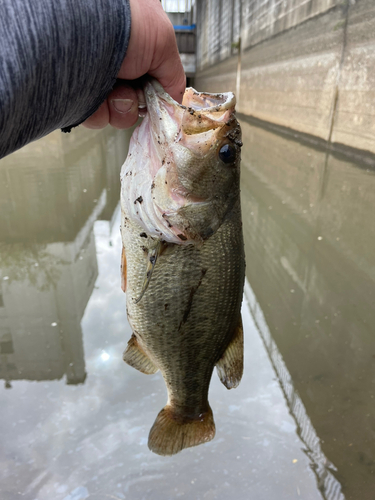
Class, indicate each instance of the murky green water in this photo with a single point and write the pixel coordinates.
(74, 419)
(310, 239)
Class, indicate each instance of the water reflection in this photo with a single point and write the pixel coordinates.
(63, 312)
(324, 470)
(310, 236)
(51, 193)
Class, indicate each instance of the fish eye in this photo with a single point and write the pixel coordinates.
(227, 153)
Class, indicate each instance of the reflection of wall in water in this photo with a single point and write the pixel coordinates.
(309, 236)
(114, 156)
(335, 197)
(51, 193)
(40, 332)
(49, 188)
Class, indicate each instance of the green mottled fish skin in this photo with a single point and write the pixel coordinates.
(187, 317)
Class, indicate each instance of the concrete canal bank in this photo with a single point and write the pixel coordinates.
(305, 65)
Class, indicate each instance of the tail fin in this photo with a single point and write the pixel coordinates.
(171, 434)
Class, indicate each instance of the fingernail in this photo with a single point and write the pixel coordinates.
(122, 105)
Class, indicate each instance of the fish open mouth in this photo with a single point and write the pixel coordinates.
(173, 164)
(208, 103)
(198, 112)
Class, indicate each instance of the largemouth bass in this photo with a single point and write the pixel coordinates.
(183, 257)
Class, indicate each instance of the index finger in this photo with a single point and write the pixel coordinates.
(153, 48)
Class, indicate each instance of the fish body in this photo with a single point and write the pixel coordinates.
(184, 259)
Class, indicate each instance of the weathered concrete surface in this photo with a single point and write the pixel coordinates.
(218, 78)
(219, 21)
(355, 117)
(218, 25)
(264, 19)
(317, 76)
(291, 79)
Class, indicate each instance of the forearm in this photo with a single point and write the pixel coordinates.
(58, 61)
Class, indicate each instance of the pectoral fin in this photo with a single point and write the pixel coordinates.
(152, 257)
(230, 365)
(135, 356)
(123, 270)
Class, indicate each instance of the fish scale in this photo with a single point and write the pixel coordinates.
(184, 299)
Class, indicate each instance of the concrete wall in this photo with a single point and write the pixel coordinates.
(307, 65)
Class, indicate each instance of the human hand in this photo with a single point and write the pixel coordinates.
(153, 50)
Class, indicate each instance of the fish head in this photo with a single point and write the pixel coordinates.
(191, 153)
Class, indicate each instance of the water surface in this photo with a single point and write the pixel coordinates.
(75, 419)
(310, 239)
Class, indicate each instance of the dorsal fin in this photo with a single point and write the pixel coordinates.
(135, 356)
(230, 365)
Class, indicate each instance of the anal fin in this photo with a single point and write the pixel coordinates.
(230, 365)
(123, 270)
(135, 356)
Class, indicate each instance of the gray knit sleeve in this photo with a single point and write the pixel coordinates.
(58, 61)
